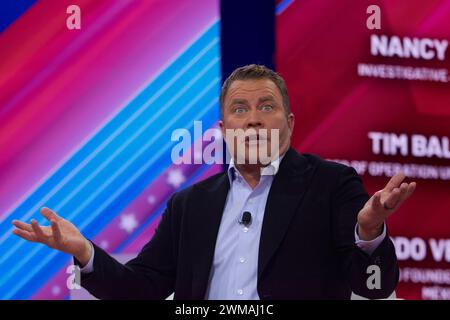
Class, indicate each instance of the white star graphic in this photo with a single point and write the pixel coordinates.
(128, 222)
(104, 244)
(175, 178)
(56, 290)
(151, 199)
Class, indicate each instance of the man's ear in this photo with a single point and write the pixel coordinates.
(222, 128)
(291, 121)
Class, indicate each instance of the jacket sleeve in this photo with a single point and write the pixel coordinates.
(360, 269)
(151, 275)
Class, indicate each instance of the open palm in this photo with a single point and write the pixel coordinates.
(61, 235)
(384, 202)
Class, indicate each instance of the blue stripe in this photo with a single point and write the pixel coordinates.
(60, 260)
(283, 5)
(133, 190)
(106, 131)
(96, 162)
(11, 10)
(120, 203)
(113, 209)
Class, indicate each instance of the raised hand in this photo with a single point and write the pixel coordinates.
(61, 235)
(381, 205)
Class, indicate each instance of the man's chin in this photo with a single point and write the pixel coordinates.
(252, 156)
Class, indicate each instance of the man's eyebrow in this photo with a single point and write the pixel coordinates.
(238, 101)
(265, 99)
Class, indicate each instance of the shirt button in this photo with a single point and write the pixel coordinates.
(250, 201)
(245, 229)
(241, 259)
(240, 292)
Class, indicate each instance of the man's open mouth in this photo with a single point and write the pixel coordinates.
(255, 139)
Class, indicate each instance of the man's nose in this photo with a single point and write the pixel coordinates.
(254, 120)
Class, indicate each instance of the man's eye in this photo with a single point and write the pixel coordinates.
(239, 110)
(267, 108)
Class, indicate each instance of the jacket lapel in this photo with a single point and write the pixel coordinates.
(285, 196)
(210, 199)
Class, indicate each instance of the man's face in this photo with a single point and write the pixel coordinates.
(252, 105)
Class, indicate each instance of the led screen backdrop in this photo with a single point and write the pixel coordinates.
(86, 117)
(379, 100)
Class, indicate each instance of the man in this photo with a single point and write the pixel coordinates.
(296, 228)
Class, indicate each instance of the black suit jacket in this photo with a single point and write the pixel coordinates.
(307, 247)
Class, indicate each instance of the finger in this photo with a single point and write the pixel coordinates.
(49, 214)
(376, 201)
(403, 190)
(22, 225)
(408, 191)
(411, 188)
(395, 181)
(37, 230)
(24, 235)
(56, 231)
(391, 202)
(404, 187)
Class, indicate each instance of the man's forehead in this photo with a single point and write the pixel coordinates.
(262, 87)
